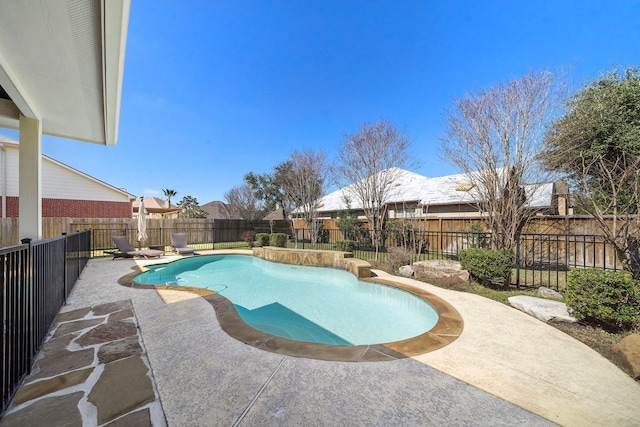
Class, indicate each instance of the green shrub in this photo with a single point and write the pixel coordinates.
(609, 297)
(278, 239)
(346, 245)
(477, 237)
(262, 239)
(487, 266)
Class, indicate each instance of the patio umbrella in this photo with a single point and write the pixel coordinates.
(142, 221)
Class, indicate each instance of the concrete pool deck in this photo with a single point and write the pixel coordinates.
(506, 368)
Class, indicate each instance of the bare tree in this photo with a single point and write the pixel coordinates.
(305, 184)
(371, 161)
(494, 137)
(244, 200)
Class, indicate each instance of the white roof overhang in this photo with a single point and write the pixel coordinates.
(62, 63)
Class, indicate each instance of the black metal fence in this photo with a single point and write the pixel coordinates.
(37, 277)
(202, 238)
(540, 259)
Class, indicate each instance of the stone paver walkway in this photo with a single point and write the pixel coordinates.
(92, 370)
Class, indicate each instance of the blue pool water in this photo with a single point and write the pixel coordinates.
(303, 303)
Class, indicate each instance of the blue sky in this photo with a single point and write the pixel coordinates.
(216, 89)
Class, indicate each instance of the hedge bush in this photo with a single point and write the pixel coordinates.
(262, 239)
(346, 245)
(609, 297)
(278, 239)
(487, 266)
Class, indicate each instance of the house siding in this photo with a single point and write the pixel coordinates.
(64, 183)
(66, 192)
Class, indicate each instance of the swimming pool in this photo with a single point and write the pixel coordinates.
(311, 304)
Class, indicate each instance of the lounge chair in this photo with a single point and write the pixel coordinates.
(128, 251)
(179, 244)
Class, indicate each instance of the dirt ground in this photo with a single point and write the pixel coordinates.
(593, 336)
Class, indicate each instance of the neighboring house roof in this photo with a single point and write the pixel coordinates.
(275, 215)
(457, 189)
(155, 205)
(59, 181)
(220, 210)
(540, 195)
(408, 187)
(448, 190)
(444, 190)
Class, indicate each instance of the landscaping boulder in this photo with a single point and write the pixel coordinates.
(549, 293)
(406, 270)
(441, 271)
(626, 354)
(542, 309)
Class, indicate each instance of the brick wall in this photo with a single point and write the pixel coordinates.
(65, 208)
(12, 207)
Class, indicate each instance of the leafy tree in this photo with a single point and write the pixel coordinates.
(596, 145)
(371, 160)
(190, 208)
(270, 188)
(168, 193)
(244, 200)
(493, 137)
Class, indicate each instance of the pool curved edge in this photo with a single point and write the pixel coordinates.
(446, 330)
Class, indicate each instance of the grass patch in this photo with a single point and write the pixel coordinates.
(554, 279)
(500, 295)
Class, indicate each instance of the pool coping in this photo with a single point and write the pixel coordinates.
(446, 330)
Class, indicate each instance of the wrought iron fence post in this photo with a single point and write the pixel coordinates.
(66, 266)
(518, 260)
(92, 238)
(27, 272)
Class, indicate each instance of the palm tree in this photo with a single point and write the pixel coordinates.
(169, 194)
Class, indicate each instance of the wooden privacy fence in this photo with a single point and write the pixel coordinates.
(551, 241)
(538, 254)
(198, 231)
(52, 227)
(543, 224)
